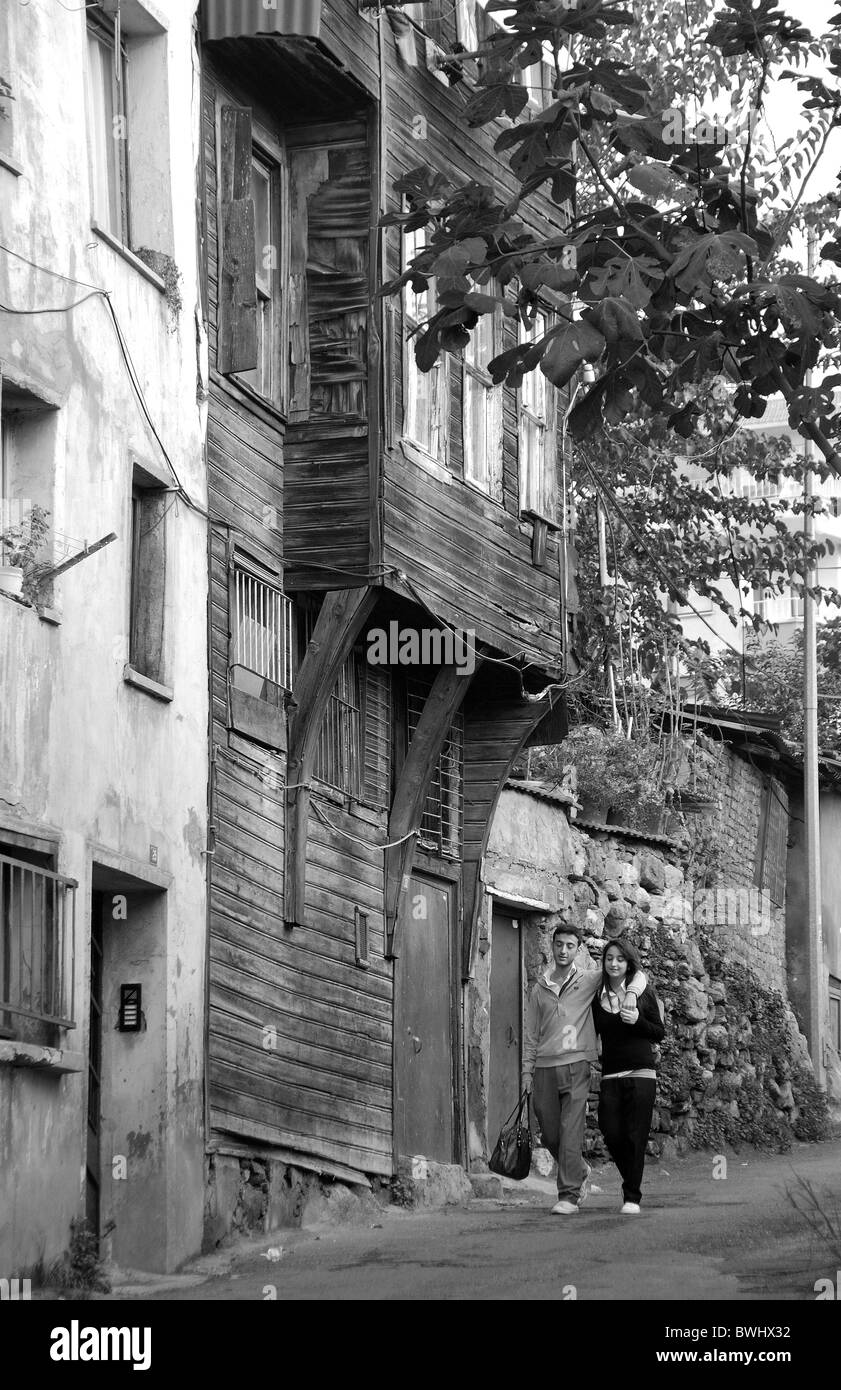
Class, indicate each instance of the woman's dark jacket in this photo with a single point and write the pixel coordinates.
(629, 1046)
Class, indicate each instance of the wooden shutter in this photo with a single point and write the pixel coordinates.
(237, 341)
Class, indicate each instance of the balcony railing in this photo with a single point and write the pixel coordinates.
(37, 945)
(774, 607)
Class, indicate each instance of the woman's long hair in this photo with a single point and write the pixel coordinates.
(631, 955)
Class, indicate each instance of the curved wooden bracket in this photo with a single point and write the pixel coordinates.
(494, 736)
(342, 615)
(445, 698)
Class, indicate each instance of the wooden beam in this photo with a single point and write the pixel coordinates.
(342, 615)
(444, 700)
(494, 736)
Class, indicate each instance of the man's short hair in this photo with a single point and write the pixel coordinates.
(568, 929)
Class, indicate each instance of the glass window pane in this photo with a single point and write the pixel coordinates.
(476, 442)
(104, 136)
(261, 194)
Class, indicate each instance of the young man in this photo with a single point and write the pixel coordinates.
(560, 1044)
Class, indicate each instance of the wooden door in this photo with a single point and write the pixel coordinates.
(92, 1167)
(506, 1022)
(424, 1081)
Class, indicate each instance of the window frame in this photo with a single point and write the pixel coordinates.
(102, 29)
(271, 155)
(436, 450)
(349, 715)
(146, 491)
(244, 563)
(475, 377)
(467, 25)
(40, 862)
(546, 425)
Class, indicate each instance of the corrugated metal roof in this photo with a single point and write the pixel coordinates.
(236, 19)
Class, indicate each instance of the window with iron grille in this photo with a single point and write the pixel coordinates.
(441, 823)
(773, 845)
(261, 637)
(339, 755)
(37, 926)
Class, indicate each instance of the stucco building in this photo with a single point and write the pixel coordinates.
(103, 713)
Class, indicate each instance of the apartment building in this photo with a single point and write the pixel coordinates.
(103, 584)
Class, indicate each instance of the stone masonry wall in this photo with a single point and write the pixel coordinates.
(745, 919)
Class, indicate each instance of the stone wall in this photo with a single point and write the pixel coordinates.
(745, 919)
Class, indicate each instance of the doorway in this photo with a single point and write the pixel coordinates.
(424, 1076)
(506, 995)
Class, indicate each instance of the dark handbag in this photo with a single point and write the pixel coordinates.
(512, 1156)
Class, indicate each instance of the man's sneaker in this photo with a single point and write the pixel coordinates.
(563, 1208)
(630, 1209)
(584, 1190)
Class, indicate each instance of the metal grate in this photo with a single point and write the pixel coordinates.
(262, 641)
(443, 813)
(339, 757)
(37, 921)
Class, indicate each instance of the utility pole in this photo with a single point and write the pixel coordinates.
(811, 788)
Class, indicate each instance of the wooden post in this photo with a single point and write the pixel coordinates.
(342, 615)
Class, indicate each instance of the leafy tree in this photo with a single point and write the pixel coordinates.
(670, 260)
(772, 681)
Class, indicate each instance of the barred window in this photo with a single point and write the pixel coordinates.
(339, 755)
(37, 911)
(261, 646)
(442, 819)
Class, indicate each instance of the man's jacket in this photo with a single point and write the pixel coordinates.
(559, 1019)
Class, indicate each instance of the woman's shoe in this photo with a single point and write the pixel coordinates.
(630, 1209)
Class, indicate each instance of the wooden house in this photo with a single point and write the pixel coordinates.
(355, 501)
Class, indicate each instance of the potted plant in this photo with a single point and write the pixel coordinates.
(616, 776)
(19, 547)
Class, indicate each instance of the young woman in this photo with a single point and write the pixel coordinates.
(629, 1077)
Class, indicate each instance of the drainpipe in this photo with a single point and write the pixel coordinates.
(811, 790)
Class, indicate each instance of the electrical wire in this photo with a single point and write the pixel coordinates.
(57, 274)
(390, 844)
(57, 309)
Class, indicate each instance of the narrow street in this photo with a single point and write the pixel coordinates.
(698, 1239)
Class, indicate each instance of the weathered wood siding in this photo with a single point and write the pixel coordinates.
(469, 557)
(327, 502)
(299, 1035)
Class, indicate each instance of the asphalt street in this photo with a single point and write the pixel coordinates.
(735, 1237)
